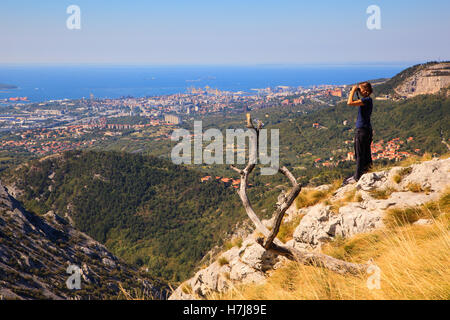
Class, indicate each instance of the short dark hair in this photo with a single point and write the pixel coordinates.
(366, 86)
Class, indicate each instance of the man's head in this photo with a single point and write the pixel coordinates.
(365, 88)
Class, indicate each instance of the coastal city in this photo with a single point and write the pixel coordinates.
(20, 113)
(43, 128)
(59, 125)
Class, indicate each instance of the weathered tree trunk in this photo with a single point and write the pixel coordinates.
(317, 259)
(270, 242)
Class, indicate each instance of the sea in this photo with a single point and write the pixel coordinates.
(45, 82)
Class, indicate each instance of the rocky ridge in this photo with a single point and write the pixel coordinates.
(426, 81)
(401, 187)
(35, 252)
(427, 78)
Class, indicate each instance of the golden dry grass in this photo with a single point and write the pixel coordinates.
(134, 294)
(235, 242)
(222, 261)
(287, 229)
(186, 288)
(414, 263)
(401, 174)
(382, 193)
(350, 196)
(310, 197)
(415, 187)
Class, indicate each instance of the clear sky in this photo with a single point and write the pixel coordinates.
(223, 32)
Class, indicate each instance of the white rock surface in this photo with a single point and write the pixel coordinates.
(423, 222)
(432, 174)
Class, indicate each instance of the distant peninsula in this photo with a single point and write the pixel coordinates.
(7, 86)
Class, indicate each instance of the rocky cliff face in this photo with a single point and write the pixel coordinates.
(427, 80)
(36, 251)
(399, 187)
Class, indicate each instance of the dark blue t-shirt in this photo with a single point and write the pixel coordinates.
(364, 113)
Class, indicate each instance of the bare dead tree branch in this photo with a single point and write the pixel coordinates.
(270, 242)
(283, 206)
(446, 144)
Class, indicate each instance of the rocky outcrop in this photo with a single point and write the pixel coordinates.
(320, 223)
(35, 252)
(427, 80)
(323, 222)
(245, 264)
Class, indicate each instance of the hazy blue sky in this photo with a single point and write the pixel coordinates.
(223, 31)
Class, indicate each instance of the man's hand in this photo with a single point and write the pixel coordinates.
(355, 88)
(350, 101)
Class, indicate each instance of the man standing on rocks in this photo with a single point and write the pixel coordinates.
(363, 131)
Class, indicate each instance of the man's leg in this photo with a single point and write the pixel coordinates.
(359, 146)
(369, 154)
(366, 161)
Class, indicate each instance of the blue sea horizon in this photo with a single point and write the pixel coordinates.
(45, 82)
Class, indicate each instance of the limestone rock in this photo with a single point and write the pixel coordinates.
(314, 226)
(426, 79)
(320, 224)
(354, 219)
(258, 258)
(371, 181)
(432, 175)
(246, 264)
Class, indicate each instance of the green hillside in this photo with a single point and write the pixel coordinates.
(146, 210)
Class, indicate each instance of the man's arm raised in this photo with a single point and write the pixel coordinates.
(351, 102)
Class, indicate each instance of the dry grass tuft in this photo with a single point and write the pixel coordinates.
(134, 294)
(382, 193)
(415, 159)
(415, 187)
(287, 229)
(186, 288)
(222, 261)
(401, 174)
(235, 242)
(350, 196)
(310, 197)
